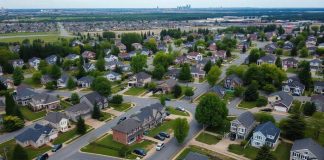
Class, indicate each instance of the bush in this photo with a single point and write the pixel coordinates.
(264, 117)
(117, 99)
(269, 88)
(243, 143)
(262, 101)
(50, 85)
(238, 91)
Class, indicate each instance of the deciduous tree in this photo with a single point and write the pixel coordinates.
(181, 129)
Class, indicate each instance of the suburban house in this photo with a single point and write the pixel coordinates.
(167, 86)
(121, 47)
(57, 120)
(150, 116)
(265, 134)
(280, 101)
(306, 149)
(77, 43)
(293, 86)
(315, 65)
(181, 59)
(139, 80)
(289, 63)
(23, 95)
(137, 46)
(37, 136)
(34, 62)
(212, 47)
(269, 59)
(288, 46)
(270, 48)
(318, 100)
(111, 58)
(112, 65)
(52, 59)
(218, 90)
(113, 76)
(81, 109)
(232, 81)
(243, 125)
(197, 72)
(195, 56)
(46, 79)
(7, 82)
(44, 101)
(221, 54)
(89, 55)
(88, 67)
(128, 132)
(17, 63)
(319, 87)
(85, 82)
(72, 57)
(94, 98)
(63, 81)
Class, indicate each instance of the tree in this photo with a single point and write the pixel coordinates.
(278, 62)
(100, 64)
(251, 93)
(163, 59)
(19, 153)
(293, 127)
(185, 73)
(229, 54)
(261, 101)
(151, 45)
(96, 113)
(81, 127)
(269, 88)
(213, 75)
(162, 100)
(305, 75)
(109, 35)
(75, 99)
(138, 63)
(211, 111)
(42, 66)
(303, 52)
(189, 92)
(71, 84)
(102, 86)
(37, 77)
(55, 72)
(177, 91)
(129, 38)
(158, 72)
(117, 99)
(12, 123)
(264, 117)
(18, 76)
(309, 108)
(264, 154)
(181, 129)
(11, 107)
(315, 125)
(315, 29)
(293, 51)
(243, 49)
(238, 91)
(254, 56)
(208, 66)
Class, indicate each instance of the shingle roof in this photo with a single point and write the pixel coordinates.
(218, 90)
(127, 126)
(94, 97)
(246, 119)
(310, 144)
(319, 83)
(317, 97)
(268, 128)
(235, 78)
(286, 99)
(142, 75)
(268, 57)
(55, 117)
(45, 98)
(148, 111)
(195, 156)
(87, 79)
(34, 133)
(197, 70)
(78, 107)
(23, 91)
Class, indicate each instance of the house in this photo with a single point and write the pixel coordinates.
(57, 120)
(146, 52)
(124, 56)
(181, 59)
(318, 100)
(137, 46)
(85, 82)
(243, 125)
(167, 39)
(280, 101)
(128, 132)
(189, 44)
(77, 43)
(167, 86)
(44, 101)
(89, 55)
(293, 86)
(139, 80)
(195, 156)
(46, 79)
(17, 63)
(23, 95)
(315, 65)
(265, 134)
(88, 67)
(94, 98)
(81, 109)
(253, 37)
(306, 149)
(173, 73)
(270, 48)
(269, 59)
(221, 54)
(218, 90)
(289, 63)
(121, 47)
(288, 46)
(197, 72)
(72, 57)
(243, 44)
(37, 136)
(113, 76)
(111, 58)
(112, 65)
(63, 80)
(162, 47)
(319, 87)
(7, 82)
(195, 56)
(34, 62)
(212, 47)
(52, 59)
(232, 81)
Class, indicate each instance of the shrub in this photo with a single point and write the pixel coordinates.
(117, 99)
(262, 101)
(243, 143)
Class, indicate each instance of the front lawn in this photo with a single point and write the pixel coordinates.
(107, 146)
(30, 82)
(135, 91)
(31, 152)
(64, 104)
(172, 110)
(166, 126)
(121, 107)
(30, 115)
(247, 105)
(212, 155)
(69, 135)
(105, 116)
(228, 96)
(118, 88)
(208, 138)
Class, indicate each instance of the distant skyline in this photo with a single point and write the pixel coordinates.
(24, 4)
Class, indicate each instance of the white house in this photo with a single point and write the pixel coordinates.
(34, 62)
(58, 120)
(243, 125)
(265, 134)
(195, 56)
(113, 76)
(280, 101)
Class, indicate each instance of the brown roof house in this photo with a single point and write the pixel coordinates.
(44, 101)
(128, 132)
(139, 80)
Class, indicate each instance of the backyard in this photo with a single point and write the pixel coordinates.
(30, 115)
(135, 91)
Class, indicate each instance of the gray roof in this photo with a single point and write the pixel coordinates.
(195, 156)
(24, 91)
(33, 59)
(318, 97)
(290, 59)
(45, 98)
(127, 126)
(235, 78)
(148, 111)
(286, 99)
(2, 103)
(171, 82)
(78, 107)
(268, 57)
(33, 134)
(142, 75)
(319, 83)
(295, 84)
(55, 117)
(311, 145)
(71, 56)
(64, 78)
(219, 90)
(197, 70)
(246, 119)
(268, 128)
(95, 97)
(113, 73)
(86, 79)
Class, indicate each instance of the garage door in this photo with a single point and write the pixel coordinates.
(280, 109)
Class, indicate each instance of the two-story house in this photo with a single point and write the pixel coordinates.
(88, 55)
(268, 59)
(140, 79)
(34, 62)
(7, 82)
(113, 76)
(280, 101)
(52, 59)
(196, 56)
(85, 82)
(72, 57)
(318, 100)
(17, 63)
(319, 87)
(293, 86)
(218, 90)
(265, 134)
(197, 73)
(128, 132)
(94, 98)
(232, 81)
(306, 149)
(81, 109)
(243, 125)
(289, 63)
(63, 80)
(23, 95)
(44, 101)
(57, 120)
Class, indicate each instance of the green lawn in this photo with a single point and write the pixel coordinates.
(107, 146)
(166, 126)
(121, 107)
(170, 95)
(65, 104)
(208, 138)
(30, 82)
(228, 97)
(45, 38)
(172, 110)
(66, 136)
(105, 116)
(247, 105)
(26, 33)
(283, 151)
(212, 155)
(30, 115)
(135, 91)
(32, 152)
(118, 88)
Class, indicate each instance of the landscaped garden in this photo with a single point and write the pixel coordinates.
(135, 91)
(208, 138)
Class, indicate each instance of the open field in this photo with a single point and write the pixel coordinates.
(19, 37)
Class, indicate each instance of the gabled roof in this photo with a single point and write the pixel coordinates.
(33, 59)
(290, 59)
(113, 73)
(286, 99)
(44, 98)
(311, 145)
(219, 90)
(78, 107)
(268, 128)
(142, 75)
(319, 83)
(23, 91)
(235, 78)
(149, 111)
(86, 79)
(197, 70)
(268, 57)
(55, 117)
(33, 134)
(318, 97)
(127, 126)
(94, 97)
(246, 119)
(71, 56)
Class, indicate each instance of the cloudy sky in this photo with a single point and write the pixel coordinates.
(160, 3)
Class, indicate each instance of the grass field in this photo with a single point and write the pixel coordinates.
(26, 33)
(212, 155)
(121, 107)
(66, 136)
(30, 82)
(166, 126)
(172, 110)
(208, 138)
(19, 37)
(247, 105)
(135, 91)
(30, 115)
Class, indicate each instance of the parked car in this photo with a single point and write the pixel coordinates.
(180, 109)
(164, 134)
(266, 110)
(140, 152)
(159, 146)
(121, 119)
(158, 137)
(42, 157)
(57, 147)
(232, 136)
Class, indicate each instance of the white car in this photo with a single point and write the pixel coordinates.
(159, 146)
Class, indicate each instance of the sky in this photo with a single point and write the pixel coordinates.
(161, 3)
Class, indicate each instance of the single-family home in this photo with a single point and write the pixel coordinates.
(268, 59)
(218, 90)
(280, 101)
(94, 98)
(288, 46)
(112, 65)
(128, 132)
(212, 47)
(7, 82)
(197, 72)
(23, 95)
(57, 120)
(34, 62)
(111, 58)
(17, 63)
(113, 76)
(243, 125)
(221, 54)
(181, 59)
(85, 82)
(137, 46)
(162, 47)
(63, 80)
(81, 109)
(196, 56)
(167, 39)
(306, 149)
(88, 67)
(89, 55)
(318, 100)
(293, 86)
(72, 57)
(315, 65)
(167, 85)
(289, 63)
(124, 56)
(173, 73)
(140, 79)
(319, 87)
(232, 81)
(46, 79)
(77, 43)
(265, 134)
(121, 47)
(52, 59)
(270, 48)
(44, 101)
